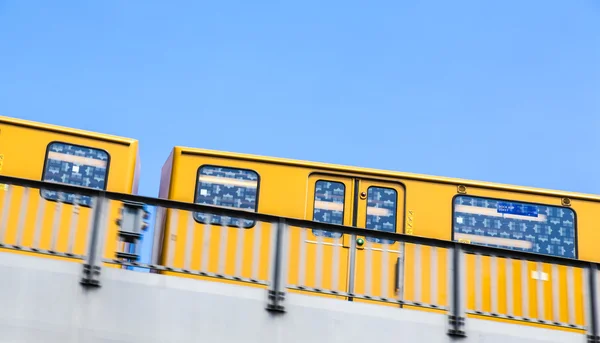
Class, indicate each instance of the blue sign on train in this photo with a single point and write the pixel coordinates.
(517, 209)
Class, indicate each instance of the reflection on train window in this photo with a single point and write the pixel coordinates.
(329, 206)
(542, 229)
(74, 165)
(381, 212)
(227, 187)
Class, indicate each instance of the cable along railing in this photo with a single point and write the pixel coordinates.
(284, 255)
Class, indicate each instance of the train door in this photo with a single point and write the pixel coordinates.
(330, 200)
(373, 261)
(364, 264)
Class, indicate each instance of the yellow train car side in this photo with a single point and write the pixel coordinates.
(58, 154)
(543, 221)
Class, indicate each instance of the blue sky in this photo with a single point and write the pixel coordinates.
(505, 91)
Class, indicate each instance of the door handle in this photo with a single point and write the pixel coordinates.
(399, 279)
(397, 275)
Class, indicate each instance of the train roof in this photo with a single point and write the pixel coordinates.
(386, 173)
(67, 130)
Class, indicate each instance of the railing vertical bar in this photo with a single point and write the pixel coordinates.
(433, 288)
(106, 209)
(206, 243)
(417, 280)
(596, 301)
(189, 246)
(368, 268)
(302, 262)
(555, 294)
(137, 247)
(509, 287)
(524, 289)
(38, 224)
(273, 266)
(494, 283)
(73, 225)
(22, 215)
(351, 281)
(587, 305)
(239, 251)
(457, 291)
(384, 271)
(478, 279)
(56, 225)
(256, 250)
(540, 291)
(285, 256)
(450, 282)
(95, 245)
(461, 305)
(335, 270)
(590, 278)
(173, 223)
(319, 263)
(223, 249)
(277, 266)
(89, 231)
(571, 295)
(5, 209)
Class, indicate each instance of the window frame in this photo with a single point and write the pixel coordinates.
(258, 184)
(108, 163)
(575, 223)
(312, 231)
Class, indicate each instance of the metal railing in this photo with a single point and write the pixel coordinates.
(29, 223)
(286, 255)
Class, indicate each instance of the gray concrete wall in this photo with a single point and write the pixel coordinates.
(42, 301)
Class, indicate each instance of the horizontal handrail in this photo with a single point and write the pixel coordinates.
(231, 212)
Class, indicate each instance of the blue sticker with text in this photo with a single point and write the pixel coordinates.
(517, 209)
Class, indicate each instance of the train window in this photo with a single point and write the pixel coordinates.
(74, 165)
(228, 187)
(381, 212)
(329, 206)
(542, 229)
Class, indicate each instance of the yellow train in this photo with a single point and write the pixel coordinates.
(527, 219)
(62, 155)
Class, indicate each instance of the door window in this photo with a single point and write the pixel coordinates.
(381, 212)
(329, 206)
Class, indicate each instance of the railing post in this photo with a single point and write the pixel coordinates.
(276, 291)
(456, 313)
(93, 261)
(592, 303)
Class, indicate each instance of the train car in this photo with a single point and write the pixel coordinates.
(57, 221)
(527, 219)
